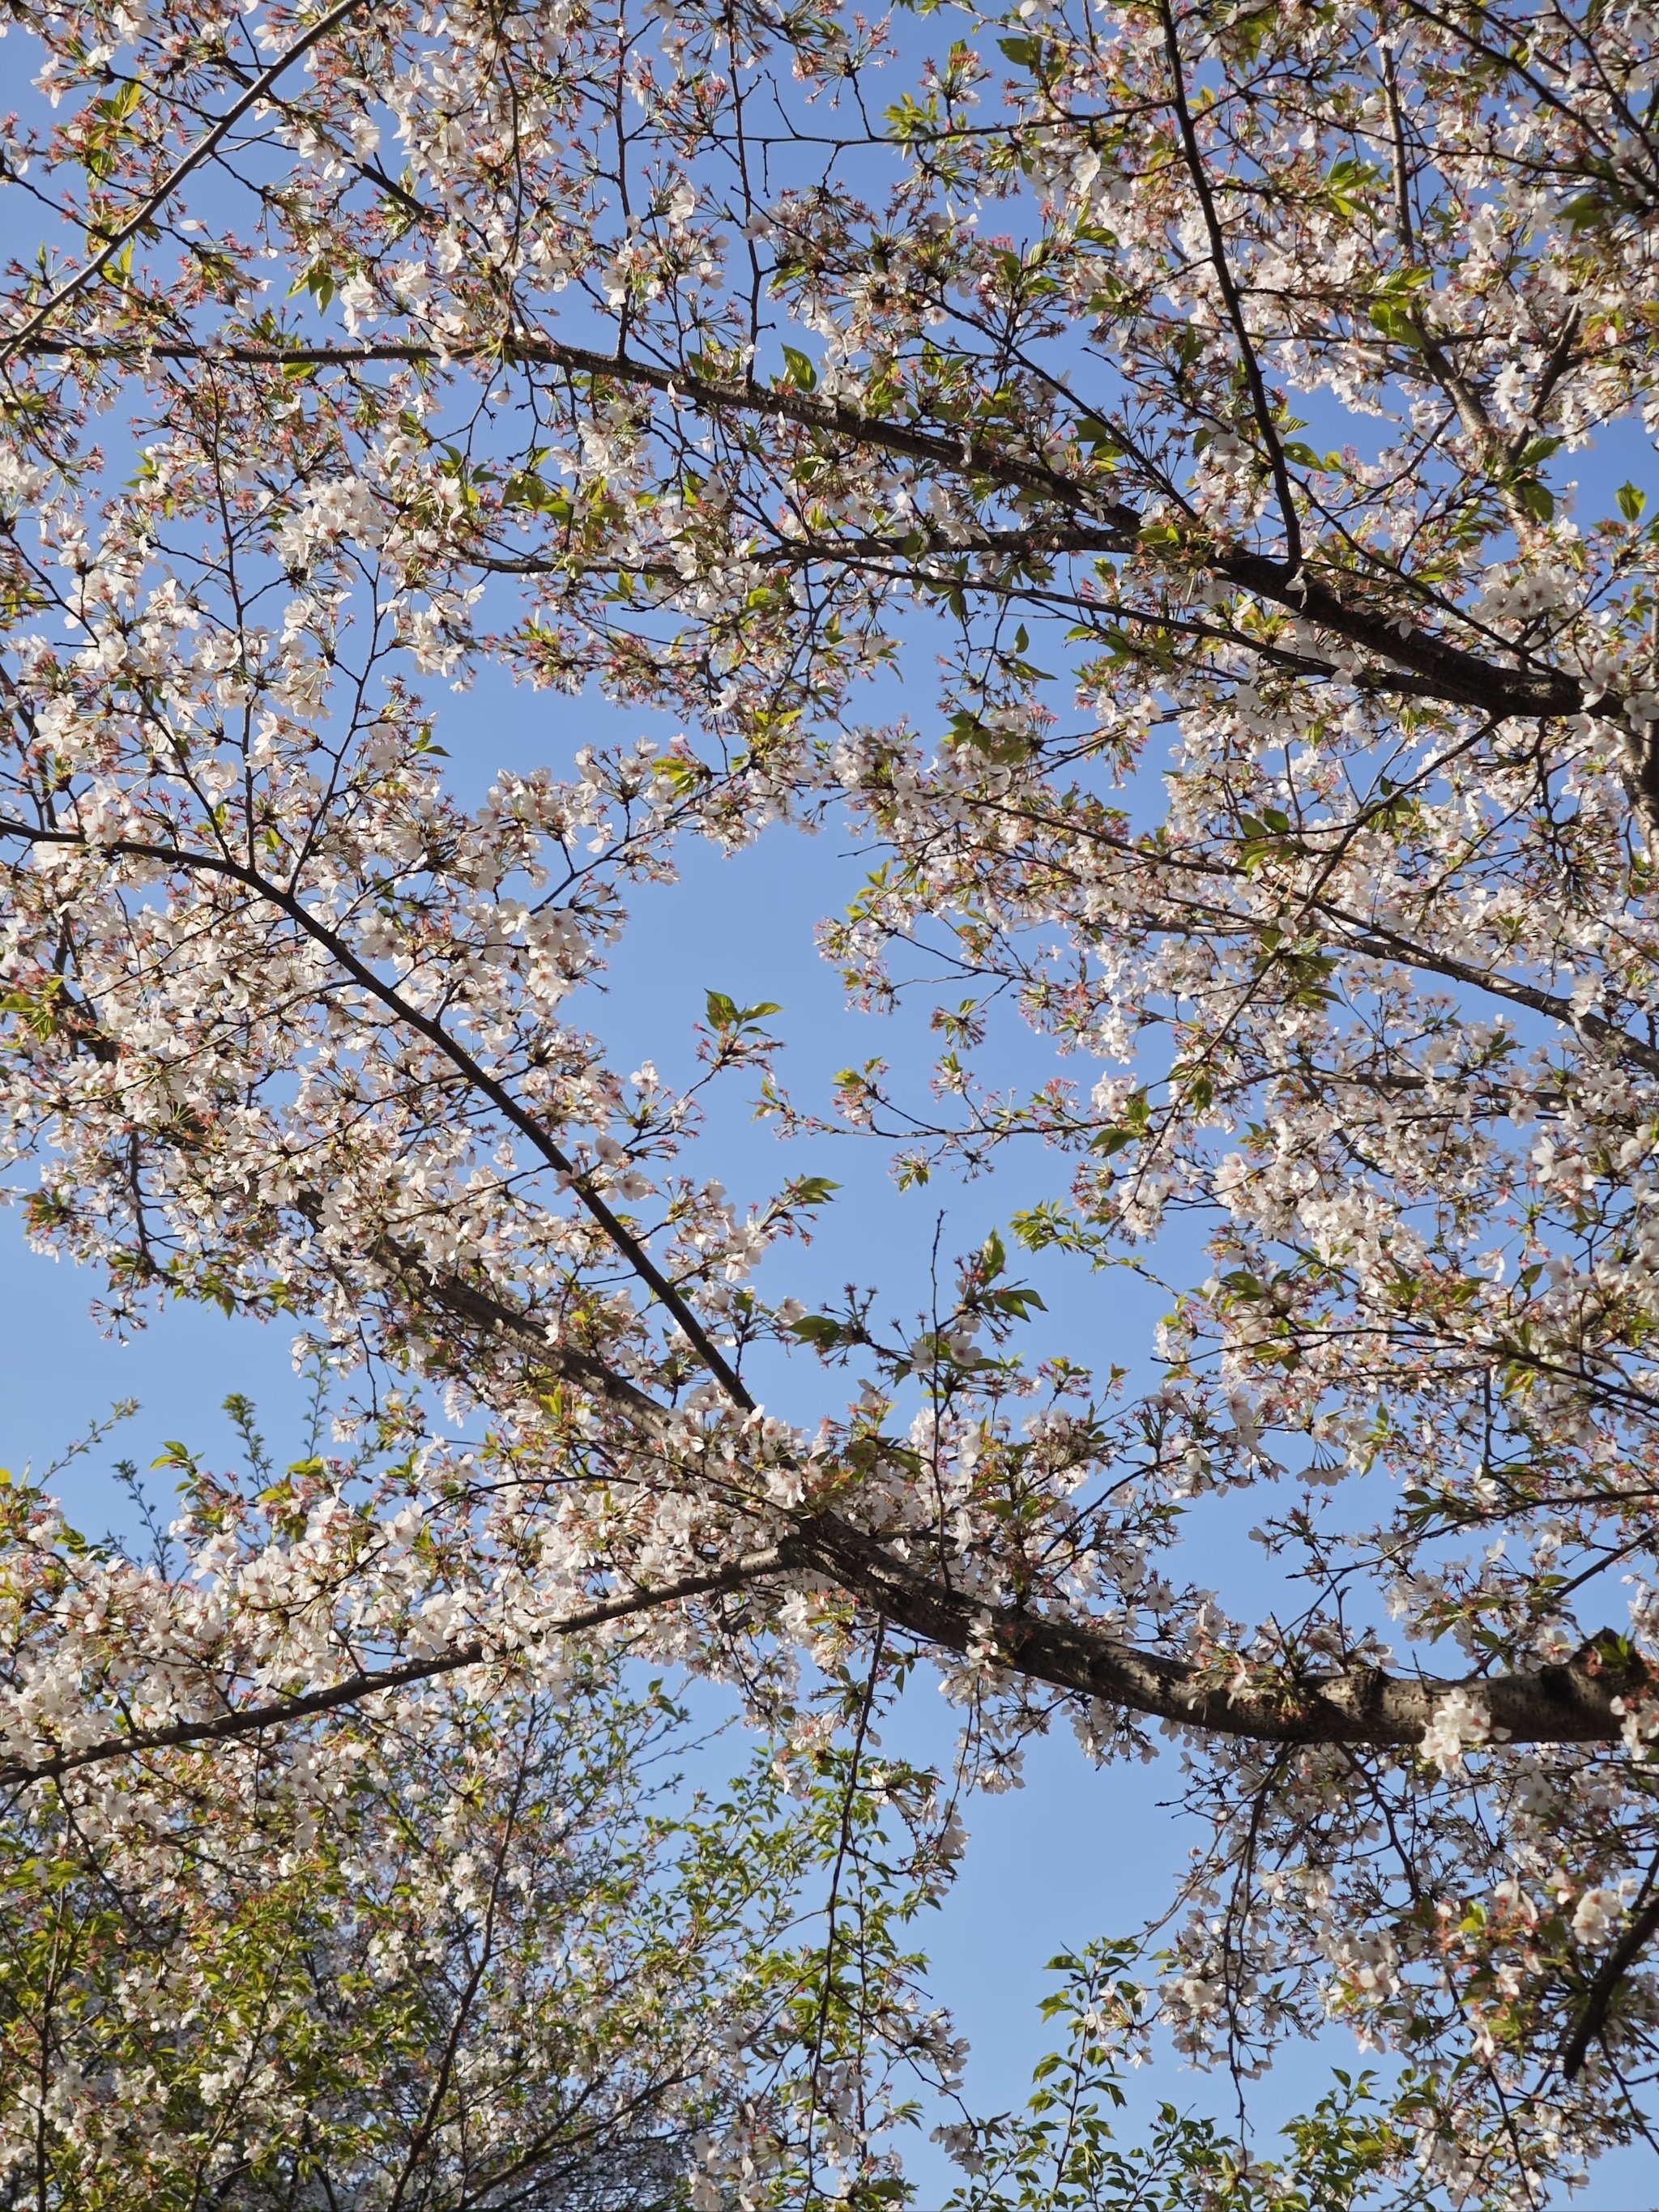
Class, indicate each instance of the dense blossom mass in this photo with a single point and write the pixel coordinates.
(1154, 476)
(466, 1951)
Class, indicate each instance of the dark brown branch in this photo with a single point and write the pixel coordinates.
(1457, 676)
(1364, 1707)
(352, 1689)
(1461, 678)
(1592, 2016)
(964, 455)
(1193, 153)
(1572, 1704)
(1569, 1704)
(289, 903)
(1381, 943)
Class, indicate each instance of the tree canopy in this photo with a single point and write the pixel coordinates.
(1115, 461)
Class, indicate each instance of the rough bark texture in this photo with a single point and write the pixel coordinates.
(1577, 1703)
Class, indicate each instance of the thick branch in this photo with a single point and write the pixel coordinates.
(1572, 1704)
(1451, 673)
(1593, 2017)
(1461, 678)
(1381, 943)
(960, 455)
(352, 1689)
(1363, 1706)
(1262, 407)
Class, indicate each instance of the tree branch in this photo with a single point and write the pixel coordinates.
(1566, 1703)
(963, 455)
(352, 1689)
(208, 145)
(289, 903)
(1456, 676)
(1362, 1706)
(1284, 492)
(1593, 2017)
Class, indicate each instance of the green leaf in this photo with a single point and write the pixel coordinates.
(811, 1190)
(1091, 431)
(685, 775)
(1540, 449)
(1348, 179)
(801, 371)
(121, 103)
(319, 281)
(528, 488)
(1396, 322)
(1589, 208)
(725, 1012)
(818, 1330)
(1249, 30)
(1632, 500)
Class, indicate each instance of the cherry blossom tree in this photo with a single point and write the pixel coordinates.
(477, 1946)
(908, 411)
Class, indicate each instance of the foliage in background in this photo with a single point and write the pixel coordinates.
(1060, 2154)
(484, 1947)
